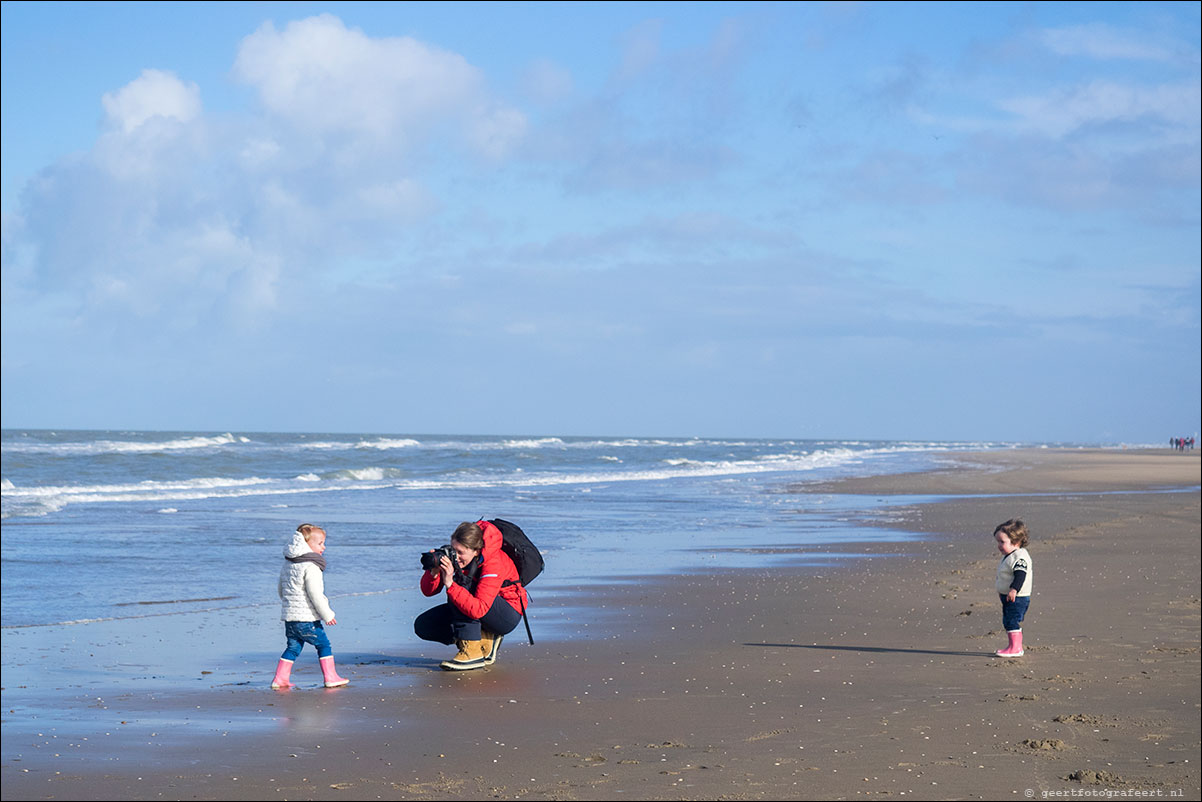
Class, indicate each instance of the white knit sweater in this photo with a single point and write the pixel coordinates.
(302, 590)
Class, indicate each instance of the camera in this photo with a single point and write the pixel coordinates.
(431, 559)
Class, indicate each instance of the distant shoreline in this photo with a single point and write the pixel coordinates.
(1033, 471)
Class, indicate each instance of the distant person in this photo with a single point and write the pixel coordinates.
(485, 600)
(1013, 582)
(305, 606)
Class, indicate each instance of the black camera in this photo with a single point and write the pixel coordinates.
(431, 559)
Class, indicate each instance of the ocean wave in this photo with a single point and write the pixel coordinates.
(537, 442)
(181, 444)
(40, 501)
(385, 443)
(149, 486)
(365, 474)
(46, 506)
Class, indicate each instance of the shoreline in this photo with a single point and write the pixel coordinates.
(869, 679)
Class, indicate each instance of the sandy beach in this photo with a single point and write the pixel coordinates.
(874, 678)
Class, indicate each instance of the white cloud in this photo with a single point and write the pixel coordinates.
(1101, 41)
(495, 129)
(154, 93)
(176, 218)
(1064, 111)
(323, 77)
(258, 152)
(640, 49)
(395, 201)
(547, 82)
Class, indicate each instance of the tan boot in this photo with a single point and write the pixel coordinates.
(471, 655)
(491, 643)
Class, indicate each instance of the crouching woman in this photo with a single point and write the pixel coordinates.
(484, 600)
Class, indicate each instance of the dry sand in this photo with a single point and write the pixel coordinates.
(873, 679)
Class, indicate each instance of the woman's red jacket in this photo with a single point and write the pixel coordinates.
(495, 569)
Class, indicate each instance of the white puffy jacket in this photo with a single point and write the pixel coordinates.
(301, 588)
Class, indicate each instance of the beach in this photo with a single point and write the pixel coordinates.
(866, 678)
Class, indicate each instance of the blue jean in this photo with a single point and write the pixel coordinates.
(1013, 612)
(299, 633)
(446, 623)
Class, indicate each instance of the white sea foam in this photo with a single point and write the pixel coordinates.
(363, 474)
(386, 443)
(40, 501)
(525, 444)
(138, 487)
(43, 500)
(532, 443)
(45, 506)
(127, 446)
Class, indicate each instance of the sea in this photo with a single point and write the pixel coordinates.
(108, 525)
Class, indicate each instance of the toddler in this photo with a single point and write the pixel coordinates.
(302, 592)
(1013, 582)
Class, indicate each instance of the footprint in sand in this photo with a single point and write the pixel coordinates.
(1091, 777)
(1045, 744)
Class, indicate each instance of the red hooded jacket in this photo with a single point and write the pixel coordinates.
(495, 569)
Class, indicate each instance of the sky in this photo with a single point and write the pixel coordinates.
(949, 221)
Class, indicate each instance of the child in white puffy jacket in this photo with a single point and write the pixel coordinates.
(305, 606)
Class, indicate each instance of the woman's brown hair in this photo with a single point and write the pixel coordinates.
(470, 535)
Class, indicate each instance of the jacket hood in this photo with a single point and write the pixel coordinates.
(296, 546)
(492, 539)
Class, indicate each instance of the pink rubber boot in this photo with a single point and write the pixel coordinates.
(1015, 649)
(282, 672)
(331, 674)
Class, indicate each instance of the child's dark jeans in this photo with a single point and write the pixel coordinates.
(301, 632)
(1013, 612)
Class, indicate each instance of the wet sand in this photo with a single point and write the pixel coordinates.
(867, 680)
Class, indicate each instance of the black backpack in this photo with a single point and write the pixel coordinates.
(525, 555)
(526, 558)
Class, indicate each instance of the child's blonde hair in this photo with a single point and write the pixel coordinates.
(309, 530)
(1015, 530)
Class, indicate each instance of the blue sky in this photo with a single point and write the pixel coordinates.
(899, 220)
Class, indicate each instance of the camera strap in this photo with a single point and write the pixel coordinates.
(469, 576)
